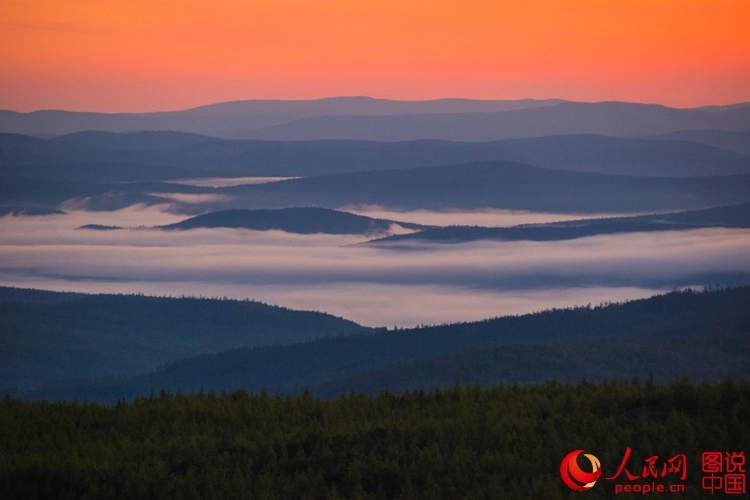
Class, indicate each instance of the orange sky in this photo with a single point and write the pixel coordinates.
(148, 55)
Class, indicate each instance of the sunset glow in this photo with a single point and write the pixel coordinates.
(137, 55)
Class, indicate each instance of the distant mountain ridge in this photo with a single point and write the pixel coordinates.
(237, 119)
(385, 120)
(605, 118)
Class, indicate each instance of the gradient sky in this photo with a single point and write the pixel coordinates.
(149, 55)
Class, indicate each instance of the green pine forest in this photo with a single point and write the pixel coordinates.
(470, 442)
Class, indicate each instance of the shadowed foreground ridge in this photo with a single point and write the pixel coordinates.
(50, 336)
(700, 335)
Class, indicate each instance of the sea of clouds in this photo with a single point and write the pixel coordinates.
(424, 283)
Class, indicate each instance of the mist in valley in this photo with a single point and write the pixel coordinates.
(414, 284)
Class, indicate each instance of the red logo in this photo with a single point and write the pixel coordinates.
(574, 476)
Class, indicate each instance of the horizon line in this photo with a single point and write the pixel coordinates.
(554, 100)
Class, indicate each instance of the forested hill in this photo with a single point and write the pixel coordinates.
(302, 220)
(33, 296)
(701, 335)
(48, 336)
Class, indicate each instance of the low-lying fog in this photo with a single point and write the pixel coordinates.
(428, 284)
(489, 217)
(229, 181)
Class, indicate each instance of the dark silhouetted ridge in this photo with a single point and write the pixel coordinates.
(99, 227)
(48, 336)
(698, 335)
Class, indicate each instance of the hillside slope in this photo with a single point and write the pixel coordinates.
(48, 336)
(712, 330)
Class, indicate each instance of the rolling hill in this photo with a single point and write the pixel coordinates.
(238, 119)
(605, 118)
(497, 184)
(148, 156)
(702, 335)
(51, 336)
(738, 142)
(379, 119)
(667, 356)
(624, 156)
(302, 220)
(503, 185)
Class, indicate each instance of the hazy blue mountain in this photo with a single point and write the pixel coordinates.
(301, 220)
(110, 157)
(100, 172)
(589, 153)
(47, 336)
(504, 185)
(21, 191)
(133, 141)
(710, 329)
(362, 105)
(605, 118)
(21, 210)
(737, 216)
(238, 119)
(96, 157)
(738, 142)
(378, 119)
(92, 147)
(624, 156)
